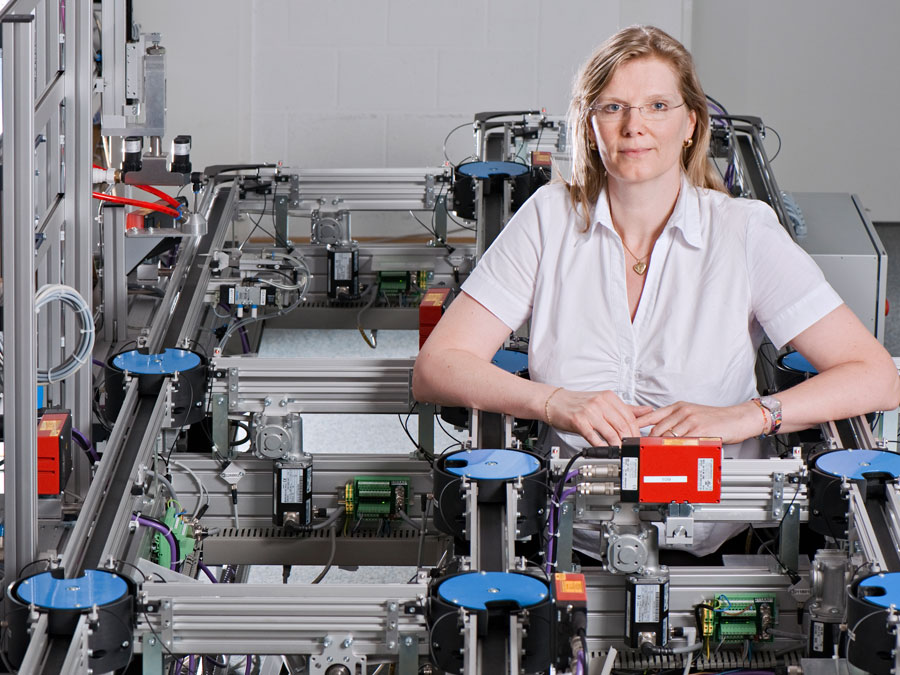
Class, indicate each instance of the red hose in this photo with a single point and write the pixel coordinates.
(135, 202)
(159, 193)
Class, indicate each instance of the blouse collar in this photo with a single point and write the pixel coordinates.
(685, 216)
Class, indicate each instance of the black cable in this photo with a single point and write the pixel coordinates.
(778, 136)
(715, 102)
(447, 138)
(240, 441)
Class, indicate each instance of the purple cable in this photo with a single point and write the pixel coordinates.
(245, 341)
(579, 669)
(98, 362)
(165, 532)
(83, 441)
(208, 572)
(249, 665)
(191, 665)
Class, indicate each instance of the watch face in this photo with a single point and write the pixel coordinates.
(770, 403)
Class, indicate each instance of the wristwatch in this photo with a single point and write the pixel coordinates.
(773, 405)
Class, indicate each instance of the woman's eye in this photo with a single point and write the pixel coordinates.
(659, 105)
(612, 108)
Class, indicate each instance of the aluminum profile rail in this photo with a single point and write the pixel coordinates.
(193, 618)
(372, 189)
(753, 490)
(282, 386)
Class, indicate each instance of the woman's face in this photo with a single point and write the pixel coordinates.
(635, 145)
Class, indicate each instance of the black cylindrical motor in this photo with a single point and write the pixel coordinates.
(827, 502)
(872, 638)
(492, 470)
(492, 598)
(65, 601)
(188, 371)
(792, 368)
(492, 175)
(134, 148)
(181, 154)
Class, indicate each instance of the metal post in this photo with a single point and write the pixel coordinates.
(20, 381)
(281, 220)
(115, 279)
(77, 188)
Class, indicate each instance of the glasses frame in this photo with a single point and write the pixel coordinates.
(639, 108)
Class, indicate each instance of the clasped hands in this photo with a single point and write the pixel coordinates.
(602, 418)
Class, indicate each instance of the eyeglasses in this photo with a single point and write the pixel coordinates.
(652, 112)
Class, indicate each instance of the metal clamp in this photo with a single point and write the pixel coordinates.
(337, 652)
(679, 520)
(777, 495)
(392, 630)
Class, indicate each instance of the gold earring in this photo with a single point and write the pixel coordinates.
(688, 143)
(592, 144)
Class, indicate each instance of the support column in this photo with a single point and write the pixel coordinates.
(19, 325)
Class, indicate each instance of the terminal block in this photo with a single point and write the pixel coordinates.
(377, 496)
(737, 617)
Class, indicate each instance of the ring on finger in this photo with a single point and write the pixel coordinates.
(674, 433)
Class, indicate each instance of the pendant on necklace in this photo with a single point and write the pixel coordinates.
(639, 267)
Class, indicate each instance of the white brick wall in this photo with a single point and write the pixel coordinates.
(368, 83)
(362, 83)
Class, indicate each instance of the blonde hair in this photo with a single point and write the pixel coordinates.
(634, 42)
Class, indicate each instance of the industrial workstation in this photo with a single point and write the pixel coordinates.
(229, 228)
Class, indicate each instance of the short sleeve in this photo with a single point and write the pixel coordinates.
(504, 279)
(789, 293)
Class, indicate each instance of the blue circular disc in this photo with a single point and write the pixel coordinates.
(474, 589)
(96, 587)
(489, 169)
(889, 583)
(510, 361)
(170, 361)
(796, 361)
(855, 464)
(482, 464)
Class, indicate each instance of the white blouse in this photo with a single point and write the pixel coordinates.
(722, 273)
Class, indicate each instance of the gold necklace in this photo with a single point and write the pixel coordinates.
(640, 266)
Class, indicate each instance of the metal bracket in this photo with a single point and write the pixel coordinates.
(679, 521)
(564, 538)
(777, 495)
(152, 663)
(337, 651)
(470, 489)
(429, 191)
(512, 532)
(408, 663)
(166, 622)
(392, 631)
(233, 388)
(281, 219)
(220, 424)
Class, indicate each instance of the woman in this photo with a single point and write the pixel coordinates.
(649, 289)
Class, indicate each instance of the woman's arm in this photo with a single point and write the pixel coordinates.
(454, 368)
(856, 376)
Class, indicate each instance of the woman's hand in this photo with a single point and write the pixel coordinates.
(732, 424)
(601, 417)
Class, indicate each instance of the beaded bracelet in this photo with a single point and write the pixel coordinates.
(767, 416)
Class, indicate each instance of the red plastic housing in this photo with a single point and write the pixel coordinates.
(675, 470)
(54, 441)
(431, 309)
